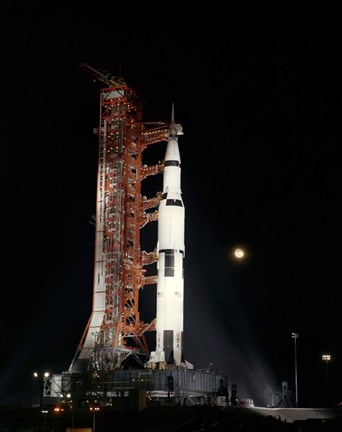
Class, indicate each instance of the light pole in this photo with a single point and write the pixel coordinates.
(295, 337)
(42, 379)
(326, 358)
(72, 410)
(94, 410)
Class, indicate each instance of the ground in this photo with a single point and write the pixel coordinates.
(171, 419)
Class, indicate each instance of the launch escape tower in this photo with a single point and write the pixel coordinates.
(114, 330)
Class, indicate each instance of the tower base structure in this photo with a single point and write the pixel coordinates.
(143, 387)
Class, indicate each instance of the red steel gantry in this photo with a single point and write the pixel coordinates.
(114, 330)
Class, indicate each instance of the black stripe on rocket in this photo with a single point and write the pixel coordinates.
(175, 163)
(169, 261)
(172, 201)
(168, 345)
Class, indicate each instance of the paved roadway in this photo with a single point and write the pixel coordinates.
(289, 415)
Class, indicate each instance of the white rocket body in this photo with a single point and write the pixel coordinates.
(171, 249)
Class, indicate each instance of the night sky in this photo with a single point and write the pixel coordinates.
(260, 105)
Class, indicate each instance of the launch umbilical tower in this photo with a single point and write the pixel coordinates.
(115, 331)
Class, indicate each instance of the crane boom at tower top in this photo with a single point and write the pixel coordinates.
(103, 76)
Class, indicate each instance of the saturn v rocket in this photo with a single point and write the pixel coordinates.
(170, 250)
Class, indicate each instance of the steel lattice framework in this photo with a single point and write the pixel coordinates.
(114, 330)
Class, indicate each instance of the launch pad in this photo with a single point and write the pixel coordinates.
(138, 388)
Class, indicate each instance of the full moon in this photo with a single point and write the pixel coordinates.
(239, 253)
